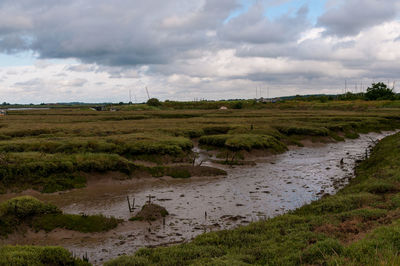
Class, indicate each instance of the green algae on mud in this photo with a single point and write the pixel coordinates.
(360, 225)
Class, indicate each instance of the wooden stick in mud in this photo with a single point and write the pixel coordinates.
(129, 204)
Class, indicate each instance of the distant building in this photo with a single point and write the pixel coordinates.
(268, 100)
(3, 112)
(223, 108)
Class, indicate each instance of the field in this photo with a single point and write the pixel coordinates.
(59, 149)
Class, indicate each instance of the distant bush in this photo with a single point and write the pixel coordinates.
(153, 102)
(379, 91)
(237, 105)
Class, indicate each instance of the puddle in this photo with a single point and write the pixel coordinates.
(248, 193)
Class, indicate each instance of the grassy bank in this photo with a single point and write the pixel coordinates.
(28, 211)
(30, 255)
(360, 225)
(55, 149)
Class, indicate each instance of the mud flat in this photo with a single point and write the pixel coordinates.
(275, 185)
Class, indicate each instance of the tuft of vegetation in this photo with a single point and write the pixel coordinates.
(237, 142)
(32, 255)
(29, 211)
(150, 212)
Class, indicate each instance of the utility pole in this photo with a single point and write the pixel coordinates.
(148, 95)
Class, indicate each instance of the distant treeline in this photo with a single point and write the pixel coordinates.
(377, 91)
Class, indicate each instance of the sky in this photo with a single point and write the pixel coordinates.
(110, 51)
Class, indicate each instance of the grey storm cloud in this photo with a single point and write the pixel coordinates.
(120, 32)
(353, 16)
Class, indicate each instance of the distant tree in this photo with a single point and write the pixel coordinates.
(379, 91)
(121, 103)
(153, 102)
(238, 105)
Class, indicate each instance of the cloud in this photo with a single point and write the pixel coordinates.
(353, 16)
(118, 33)
(254, 27)
(193, 49)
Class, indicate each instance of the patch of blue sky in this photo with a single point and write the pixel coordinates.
(29, 58)
(19, 59)
(315, 8)
(244, 6)
(277, 8)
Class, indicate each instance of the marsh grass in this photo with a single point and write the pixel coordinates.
(29, 211)
(32, 255)
(48, 150)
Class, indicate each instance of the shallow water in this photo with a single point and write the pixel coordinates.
(248, 193)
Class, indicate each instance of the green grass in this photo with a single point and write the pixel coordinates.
(81, 223)
(246, 142)
(54, 172)
(31, 255)
(38, 215)
(358, 226)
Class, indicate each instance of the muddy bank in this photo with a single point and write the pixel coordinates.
(275, 185)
